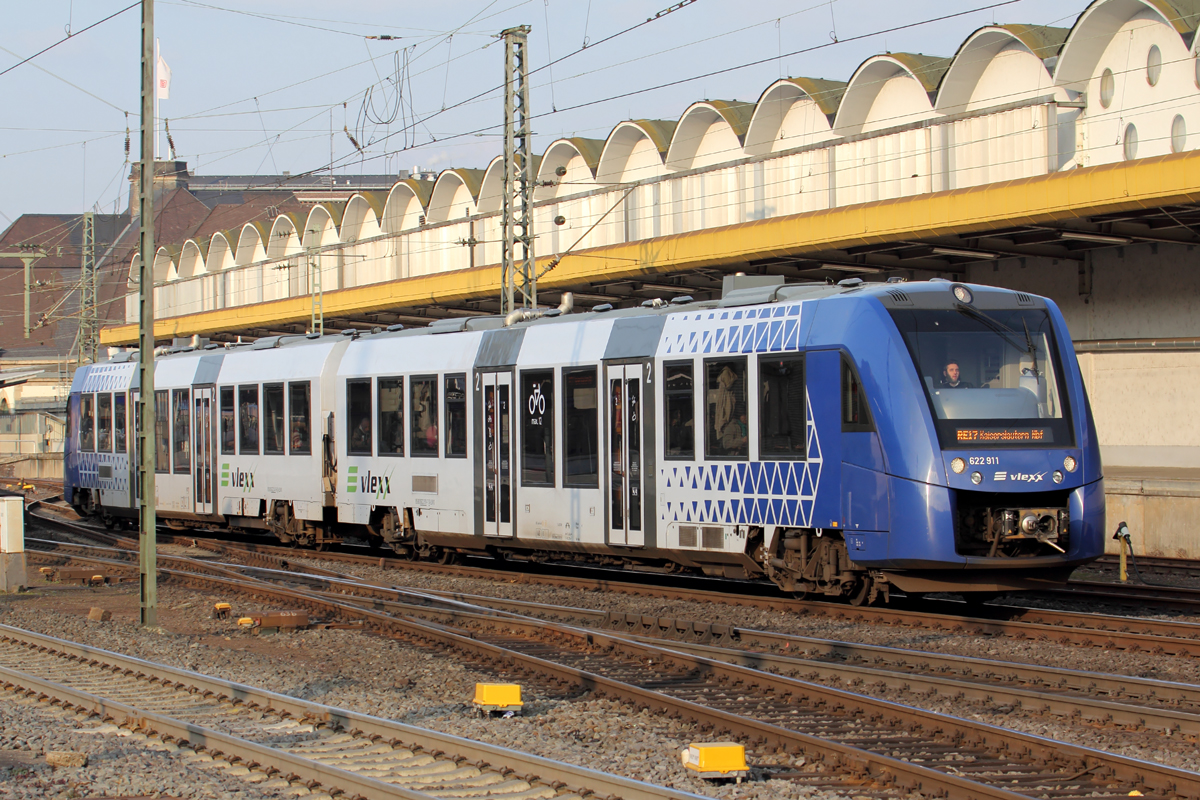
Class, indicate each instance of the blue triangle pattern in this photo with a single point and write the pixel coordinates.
(806, 486)
(708, 509)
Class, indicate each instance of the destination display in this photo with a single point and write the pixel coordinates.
(1016, 435)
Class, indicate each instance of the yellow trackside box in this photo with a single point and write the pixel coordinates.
(498, 696)
(716, 759)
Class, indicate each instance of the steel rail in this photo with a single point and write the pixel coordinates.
(954, 676)
(197, 736)
(1139, 774)
(1089, 630)
(854, 762)
(965, 677)
(531, 767)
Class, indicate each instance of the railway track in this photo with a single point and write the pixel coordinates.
(295, 739)
(1134, 634)
(860, 738)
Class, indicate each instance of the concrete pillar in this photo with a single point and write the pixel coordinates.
(12, 544)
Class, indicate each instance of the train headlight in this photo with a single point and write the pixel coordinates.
(976, 478)
(963, 294)
(1069, 464)
(958, 465)
(1058, 476)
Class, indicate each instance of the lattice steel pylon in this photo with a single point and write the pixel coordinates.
(89, 309)
(520, 280)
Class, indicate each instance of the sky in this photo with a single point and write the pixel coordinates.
(260, 87)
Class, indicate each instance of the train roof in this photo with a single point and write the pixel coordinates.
(917, 294)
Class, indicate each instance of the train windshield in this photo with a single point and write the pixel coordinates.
(992, 377)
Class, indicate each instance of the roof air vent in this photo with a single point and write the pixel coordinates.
(683, 298)
(349, 331)
(394, 328)
(850, 282)
(602, 308)
(899, 298)
(1024, 299)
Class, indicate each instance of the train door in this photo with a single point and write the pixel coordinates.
(626, 453)
(497, 454)
(203, 448)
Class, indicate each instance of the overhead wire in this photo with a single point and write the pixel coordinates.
(68, 37)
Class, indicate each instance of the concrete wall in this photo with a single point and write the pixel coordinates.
(1161, 516)
(1143, 396)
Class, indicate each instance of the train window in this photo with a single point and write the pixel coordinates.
(87, 423)
(228, 419)
(182, 430)
(299, 414)
(725, 432)
(273, 419)
(855, 415)
(358, 417)
(162, 431)
(581, 431)
(537, 428)
(104, 423)
(248, 419)
(782, 421)
(679, 400)
(391, 416)
(119, 417)
(424, 436)
(456, 416)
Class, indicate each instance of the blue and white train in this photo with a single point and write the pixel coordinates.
(837, 440)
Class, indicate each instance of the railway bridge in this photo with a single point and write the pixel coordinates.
(1060, 161)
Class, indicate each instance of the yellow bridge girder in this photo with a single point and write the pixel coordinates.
(1061, 197)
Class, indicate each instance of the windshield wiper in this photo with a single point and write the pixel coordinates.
(1002, 330)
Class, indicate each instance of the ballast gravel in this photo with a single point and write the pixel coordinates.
(119, 763)
(390, 679)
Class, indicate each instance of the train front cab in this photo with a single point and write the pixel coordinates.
(989, 485)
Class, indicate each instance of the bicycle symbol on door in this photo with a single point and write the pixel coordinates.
(537, 401)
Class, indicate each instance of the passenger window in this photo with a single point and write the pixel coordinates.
(456, 416)
(537, 431)
(162, 431)
(182, 430)
(228, 418)
(782, 417)
(581, 431)
(391, 416)
(358, 417)
(299, 415)
(248, 419)
(855, 415)
(104, 423)
(679, 401)
(87, 423)
(725, 432)
(119, 440)
(424, 434)
(273, 416)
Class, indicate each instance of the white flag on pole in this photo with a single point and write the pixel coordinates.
(164, 80)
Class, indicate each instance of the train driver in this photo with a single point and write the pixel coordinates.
(951, 377)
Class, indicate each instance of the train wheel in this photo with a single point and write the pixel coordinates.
(447, 556)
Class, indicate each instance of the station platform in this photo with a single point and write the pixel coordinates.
(1161, 506)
